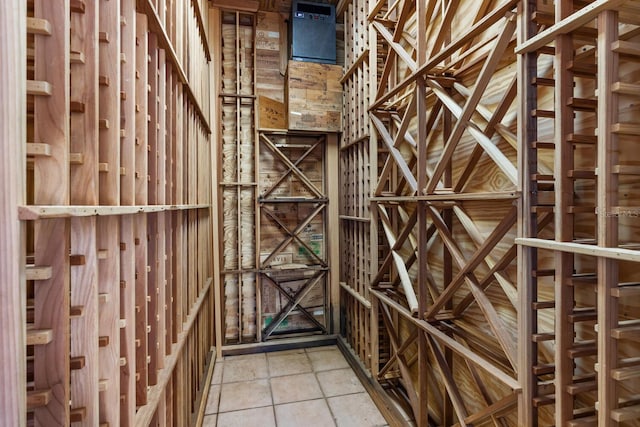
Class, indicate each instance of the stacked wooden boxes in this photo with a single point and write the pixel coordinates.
(314, 96)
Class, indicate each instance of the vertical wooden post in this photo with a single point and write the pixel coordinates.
(564, 220)
(51, 187)
(13, 137)
(140, 226)
(333, 230)
(84, 278)
(216, 210)
(127, 222)
(372, 76)
(422, 237)
(607, 199)
(527, 165)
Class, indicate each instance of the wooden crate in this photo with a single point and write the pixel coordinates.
(314, 96)
(272, 114)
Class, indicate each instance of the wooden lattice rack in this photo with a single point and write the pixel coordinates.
(488, 210)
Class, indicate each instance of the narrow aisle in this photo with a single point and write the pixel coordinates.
(304, 387)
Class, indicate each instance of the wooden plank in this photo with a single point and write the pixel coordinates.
(332, 232)
(140, 241)
(51, 125)
(84, 329)
(109, 96)
(581, 248)
(13, 137)
(128, 103)
(108, 235)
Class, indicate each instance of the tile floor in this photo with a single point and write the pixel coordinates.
(312, 387)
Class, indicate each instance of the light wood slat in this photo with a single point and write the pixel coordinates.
(38, 149)
(581, 248)
(38, 26)
(395, 153)
(626, 413)
(38, 272)
(38, 398)
(607, 231)
(407, 286)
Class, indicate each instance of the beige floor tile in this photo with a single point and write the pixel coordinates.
(217, 372)
(288, 364)
(356, 410)
(294, 388)
(209, 421)
(213, 399)
(244, 395)
(311, 413)
(327, 359)
(339, 382)
(243, 368)
(257, 417)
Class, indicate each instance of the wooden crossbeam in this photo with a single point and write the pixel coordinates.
(491, 128)
(397, 47)
(405, 280)
(292, 167)
(401, 358)
(507, 286)
(294, 301)
(449, 342)
(283, 176)
(464, 114)
(466, 267)
(395, 153)
(449, 382)
(410, 340)
(293, 234)
(481, 26)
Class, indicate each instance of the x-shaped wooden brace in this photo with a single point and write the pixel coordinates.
(294, 301)
(293, 234)
(465, 274)
(399, 357)
(292, 166)
(443, 339)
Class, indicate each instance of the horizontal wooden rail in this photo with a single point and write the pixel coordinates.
(362, 300)
(581, 248)
(32, 213)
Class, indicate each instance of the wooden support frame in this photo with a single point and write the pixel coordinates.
(584, 259)
(296, 165)
(92, 191)
(425, 199)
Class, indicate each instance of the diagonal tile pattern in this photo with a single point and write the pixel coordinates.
(304, 387)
